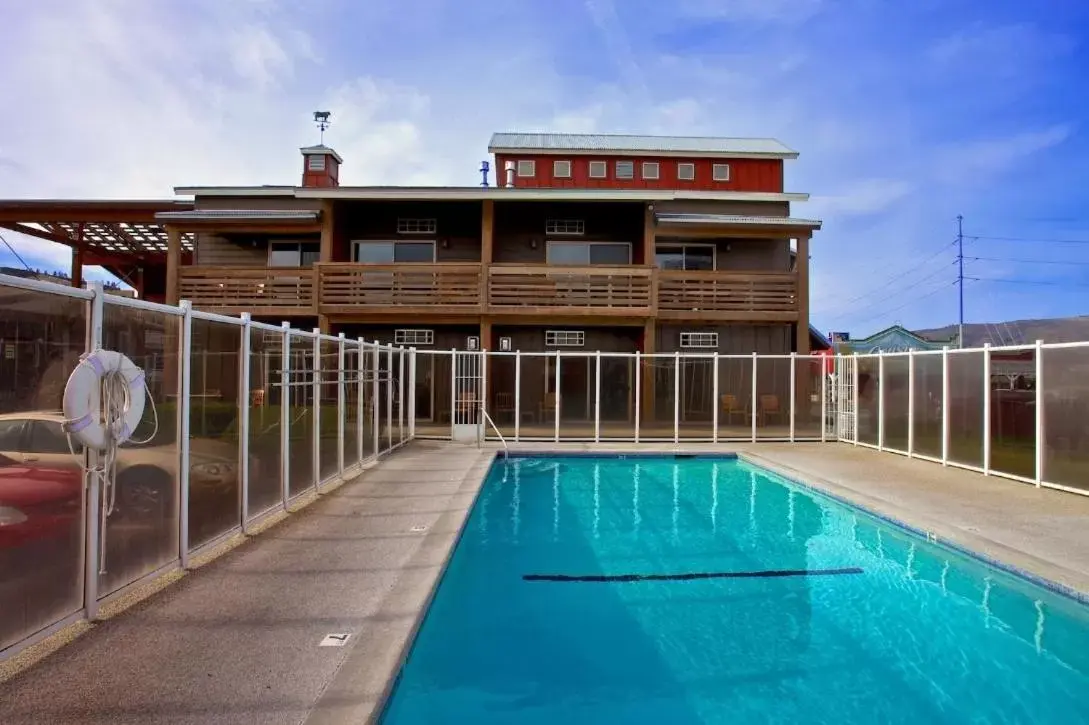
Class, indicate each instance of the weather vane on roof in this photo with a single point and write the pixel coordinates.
(321, 118)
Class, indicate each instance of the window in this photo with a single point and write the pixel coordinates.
(315, 162)
(293, 254)
(527, 168)
(565, 226)
(565, 338)
(412, 225)
(394, 252)
(598, 169)
(686, 172)
(413, 337)
(561, 169)
(692, 257)
(11, 436)
(583, 253)
(720, 172)
(699, 339)
(625, 169)
(48, 437)
(650, 169)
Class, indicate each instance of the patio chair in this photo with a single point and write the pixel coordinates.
(548, 407)
(731, 406)
(504, 405)
(770, 408)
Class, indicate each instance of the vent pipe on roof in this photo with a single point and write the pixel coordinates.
(484, 173)
(508, 168)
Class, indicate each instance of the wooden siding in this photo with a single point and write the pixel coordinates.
(457, 235)
(733, 339)
(402, 288)
(736, 208)
(745, 174)
(519, 232)
(593, 291)
(215, 250)
(770, 296)
(261, 291)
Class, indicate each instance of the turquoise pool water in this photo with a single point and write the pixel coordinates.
(840, 617)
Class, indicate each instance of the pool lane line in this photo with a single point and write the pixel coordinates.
(770, 574)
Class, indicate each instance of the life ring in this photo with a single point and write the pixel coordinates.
(83, 400)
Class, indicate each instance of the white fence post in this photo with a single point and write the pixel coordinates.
(597, 396)
(793, 391)
(714, 395)
(880, 400)
(986, 409)
(389, 396)
(911, 403)
(411, 393)
(92, 554)
(360, 409)
(453, 390)
(376, 399)
(401, 368)
(342, 405)
(315, 391)
(556, 412)
(821, 378)
(945, 405)
(286, 390)
(482, 431)
(1040, 432)
(517, 395)
(753, 401)
(183, 427)
(638, 391)
(244, 397)
(854, 398)
(676, 397)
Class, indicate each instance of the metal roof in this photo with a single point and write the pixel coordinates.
(241, 215)
(732, 219)
(618, 143)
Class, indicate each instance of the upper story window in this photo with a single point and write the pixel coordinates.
(699, 339)
(412, 225)
(527, 167)
(586, 253)
(293, 254)
(413, 337)
(565, 226)
(686, 171)
(691, 257)
(315, 162)
(598, 169)
(720, 172)
(625, 169)
(565, 338)
(390, 252)
(650, 169)
(561, 169)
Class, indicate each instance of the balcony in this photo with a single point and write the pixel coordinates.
(596, 291)
(400, 289)
(728, 296)
(261, 291)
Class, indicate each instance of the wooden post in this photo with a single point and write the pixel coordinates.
(325, 254)
(173, 264)
(647, 392)
(487, 231)
(648, 235)
(77, 266)
(801, 344)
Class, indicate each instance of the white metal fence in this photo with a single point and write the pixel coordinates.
(248, 419)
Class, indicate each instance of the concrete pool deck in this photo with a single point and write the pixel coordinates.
(236, 641)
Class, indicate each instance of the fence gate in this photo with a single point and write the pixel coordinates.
(467, 396)
(843, 397)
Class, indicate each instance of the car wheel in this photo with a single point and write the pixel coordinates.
(144, 492)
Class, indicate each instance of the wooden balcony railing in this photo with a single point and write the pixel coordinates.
(592, 290)
(258, 290)
(728, 296)
(400, 288)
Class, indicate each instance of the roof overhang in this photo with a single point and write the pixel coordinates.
(238, 216)
(478, 193)
(533, 151)
(321, 151)
(763, 223)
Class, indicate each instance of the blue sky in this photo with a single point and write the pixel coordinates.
(905, 114)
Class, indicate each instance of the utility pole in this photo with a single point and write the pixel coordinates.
(960, 277)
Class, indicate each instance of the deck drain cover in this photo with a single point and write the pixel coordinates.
(337, 639)
(418, 529)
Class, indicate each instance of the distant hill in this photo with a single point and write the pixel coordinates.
(1022, 332)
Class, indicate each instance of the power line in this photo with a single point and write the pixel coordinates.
(1047, 283)
(883, 288)
(1032, 239)
(912, 301)
(1024, 261)
(896, 293)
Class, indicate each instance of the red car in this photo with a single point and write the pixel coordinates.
(38, 504)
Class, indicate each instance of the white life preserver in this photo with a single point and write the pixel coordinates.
(83, 400)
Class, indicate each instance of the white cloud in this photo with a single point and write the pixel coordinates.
(867, 196)
(779, 11)
(966, 163)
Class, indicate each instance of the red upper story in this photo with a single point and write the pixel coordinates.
(581, 161)
(641, 172)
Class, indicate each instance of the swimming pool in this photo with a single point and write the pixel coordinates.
(699, 590)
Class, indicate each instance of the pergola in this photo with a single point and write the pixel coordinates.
(123, 236)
